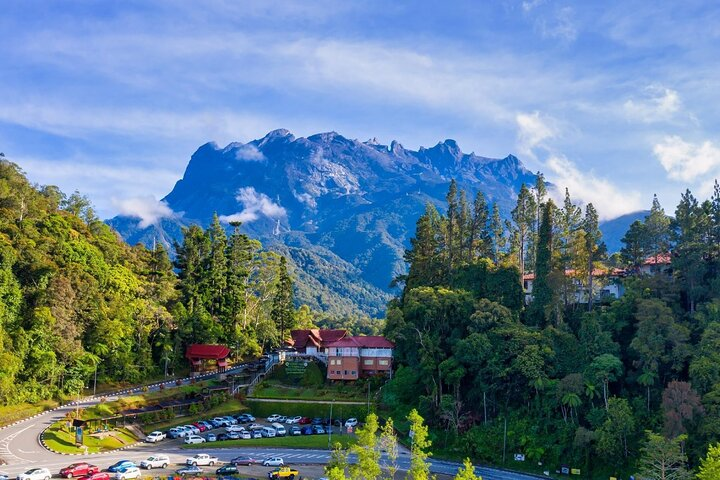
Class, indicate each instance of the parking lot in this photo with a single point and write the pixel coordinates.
(245, 427)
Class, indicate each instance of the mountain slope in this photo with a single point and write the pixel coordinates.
(344, 210)
(614, 230)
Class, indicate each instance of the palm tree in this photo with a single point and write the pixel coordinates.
(591, 392)
(647, 380)
(571, 400)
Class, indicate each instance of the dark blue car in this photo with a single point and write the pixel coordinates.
(307, 431)
(121, 466)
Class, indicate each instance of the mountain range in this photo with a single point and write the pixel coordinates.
(342, 210)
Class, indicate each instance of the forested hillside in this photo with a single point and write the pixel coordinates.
(75, 298)
(610, 386)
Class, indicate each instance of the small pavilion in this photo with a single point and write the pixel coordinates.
(205, 358)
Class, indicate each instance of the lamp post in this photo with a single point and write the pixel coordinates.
(330, 427)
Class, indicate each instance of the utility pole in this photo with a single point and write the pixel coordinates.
(504, 439)
(331, 425)
(95, 380)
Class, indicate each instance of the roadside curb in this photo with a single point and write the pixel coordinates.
(41, 440)
(109, 394)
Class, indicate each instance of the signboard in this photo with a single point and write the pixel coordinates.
(519, 457)
(295, 369)
(575, 471)
(565, 470)
(78, 435)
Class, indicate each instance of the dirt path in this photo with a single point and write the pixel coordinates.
(293, 400)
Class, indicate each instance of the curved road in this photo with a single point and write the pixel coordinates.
(20, 448)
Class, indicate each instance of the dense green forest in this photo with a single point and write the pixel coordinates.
(75, 299)
(610, 386)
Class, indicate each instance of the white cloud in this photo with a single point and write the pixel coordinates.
(609, 200)
(148, 209)
(686, 161)
(532, 132)
(249, 153)
(254, 205)
(561, 25)
(658, 104)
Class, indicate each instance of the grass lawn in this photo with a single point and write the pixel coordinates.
(232, 406)
(314, 442)
(331, 392)
(61, 440)
(13, 413)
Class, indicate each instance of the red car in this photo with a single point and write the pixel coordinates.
(305, 421)
(97, 476)
(78, 470)
(200, 426)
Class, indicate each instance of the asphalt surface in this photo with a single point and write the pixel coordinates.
(20, 448)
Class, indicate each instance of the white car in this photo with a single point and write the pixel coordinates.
(282, 419)
(222, 421)
(254, 426)
(155, 437)
(130, 472)
(292, 420)
(245, 435)
(273, 418)
(201, 459)
(351, 422)
(234, 428)
(156, 461)
(232, 420)
(192, 429)
(273, 462)
(35, 474)
(191, 439)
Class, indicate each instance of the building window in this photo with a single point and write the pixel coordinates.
(354, 372)
(367, 362)
(384, 362)
(345, 372)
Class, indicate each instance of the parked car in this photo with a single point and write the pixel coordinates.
(279, 429)
(98, 476)
(283, 472)
(201, 459)
(257, 434)
(222, 421)
(176, 432)
(282, 419)
(132, 472)
(214, 423)
(253, 426)
(208, 425)
(243, 460)
(304, 421)
(234, 428)
(245, 418)
(268, 432)
(233, 435)
(273, 462)
(189, 470)
(318, 429)
(295, 431)
(79, 470)
(291, 420)
(273, 418)
(316, 421)
(121, 465)
(211, 437)
(245, 435)
(227, 470)
(222, 437)
(156, 436)
(200, 426)
(231, 419)
(192, 429)
(156, 461)
(351, 422)
(307, 430)
(193, 439)
(35, 474)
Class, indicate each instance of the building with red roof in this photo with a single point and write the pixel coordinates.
(353, 357)
(314, 341)
(204, 357)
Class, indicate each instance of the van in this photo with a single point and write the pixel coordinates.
(268, 432)
(279, 429)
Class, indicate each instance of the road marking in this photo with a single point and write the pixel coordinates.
(5, 452)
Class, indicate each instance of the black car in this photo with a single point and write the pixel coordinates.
(222, 437)
(317, 421)
(226, 470)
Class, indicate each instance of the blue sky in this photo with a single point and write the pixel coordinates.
(615, 100)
